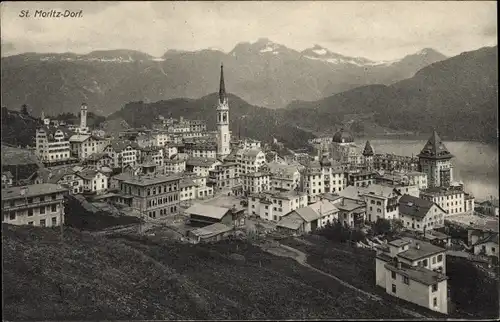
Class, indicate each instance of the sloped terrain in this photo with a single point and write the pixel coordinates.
(133, 277)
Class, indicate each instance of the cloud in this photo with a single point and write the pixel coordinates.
(377, 30)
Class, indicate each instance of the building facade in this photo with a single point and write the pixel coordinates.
(435, 161)
(37, 205)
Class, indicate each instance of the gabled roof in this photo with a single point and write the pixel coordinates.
(307, 213)
(121, 145)
(435, 149)
(415, 207)
(323, 207)
(78, 138)
(292, 221)
(88, 174)
(97, 156)
(491, 237)
(30, 191)
(211, 230)
(205, 210)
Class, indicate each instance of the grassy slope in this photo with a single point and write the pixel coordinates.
(357, 266)
(140, 278)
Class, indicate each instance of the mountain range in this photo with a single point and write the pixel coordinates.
(263, 73)
(457, 96)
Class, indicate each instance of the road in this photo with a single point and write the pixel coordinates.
(301, 258)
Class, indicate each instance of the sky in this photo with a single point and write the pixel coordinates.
(378, 30)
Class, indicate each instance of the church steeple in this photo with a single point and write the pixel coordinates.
(222, 87)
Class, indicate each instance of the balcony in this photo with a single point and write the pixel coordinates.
(6, 207)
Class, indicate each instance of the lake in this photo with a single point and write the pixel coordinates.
(476, 164)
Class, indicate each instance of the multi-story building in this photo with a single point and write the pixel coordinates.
(202, 150)
(245, 143)
(100, 160)
(123, 153)
(160, 138)
(381, 201)
(52, 144)
(368, 154)
(452, 199)
(435, 161)
(284, 177)
(94, 181)
(320, 177)
(37, 205)
(415, 178)
(83, 145)
(419, 214)
(150, 195)
(274, 205)
(152, 154)
(175, 165)
(352, 212)
(344, 150)
(360, 178)
(392, 162)
(224, 176)
(250, 160)
(414, 271)
(201, 166)
(170, 150)
(255, 182)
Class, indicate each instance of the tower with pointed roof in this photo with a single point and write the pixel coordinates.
(368, 155)
(223, 133)
(435, 161)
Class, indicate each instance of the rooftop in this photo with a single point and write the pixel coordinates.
(349, 205)
(419, 274)
(307, 213)
(424, 250)
(290, 221)
(255, 174)
(145, 180)
(207, 211)
(211, 230)
(414, 207)
(201, 162)
(31, 191)
(435, 149)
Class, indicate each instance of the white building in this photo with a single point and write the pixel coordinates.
(274, 205)
(52, 144)
(223, 136)
(255, 182)
(283, 176)
(201, 166)
(202, 150)
(322, 177)
(37, 205)
(250, 160)
(83, 145)
(487, 246)
(452, 199)
(175, 165)
(381, 201)
(420, 214)
(414, 271)
(94, 181)
(123, 153)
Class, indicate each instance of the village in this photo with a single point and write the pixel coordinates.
(184, 182)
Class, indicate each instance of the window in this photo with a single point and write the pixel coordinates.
(435, 301)
(434, 287)
(53, 208)
(393, 275)
(440, 258)
(493, 249)
(393, 288)
(30, 223)
(42, 198)
(54, 196)
(42, 210)
(433, 260)
(42, 222)
(54, 221)
(406, 280)
(12, 215)
(30, 212)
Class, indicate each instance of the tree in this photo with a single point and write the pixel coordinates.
(381, 227)
(24, 110)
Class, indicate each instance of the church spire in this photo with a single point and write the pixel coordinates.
(222, 87)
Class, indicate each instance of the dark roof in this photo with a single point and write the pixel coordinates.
(492, 237)
(414, 207)
(343, 136)
(120, 145)
(425, 250)
(97, 156)
(222, 87)
(87, 174)
(200, 162)
(419, 274)
(31, 190)
(435, 149)
(368, 151)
